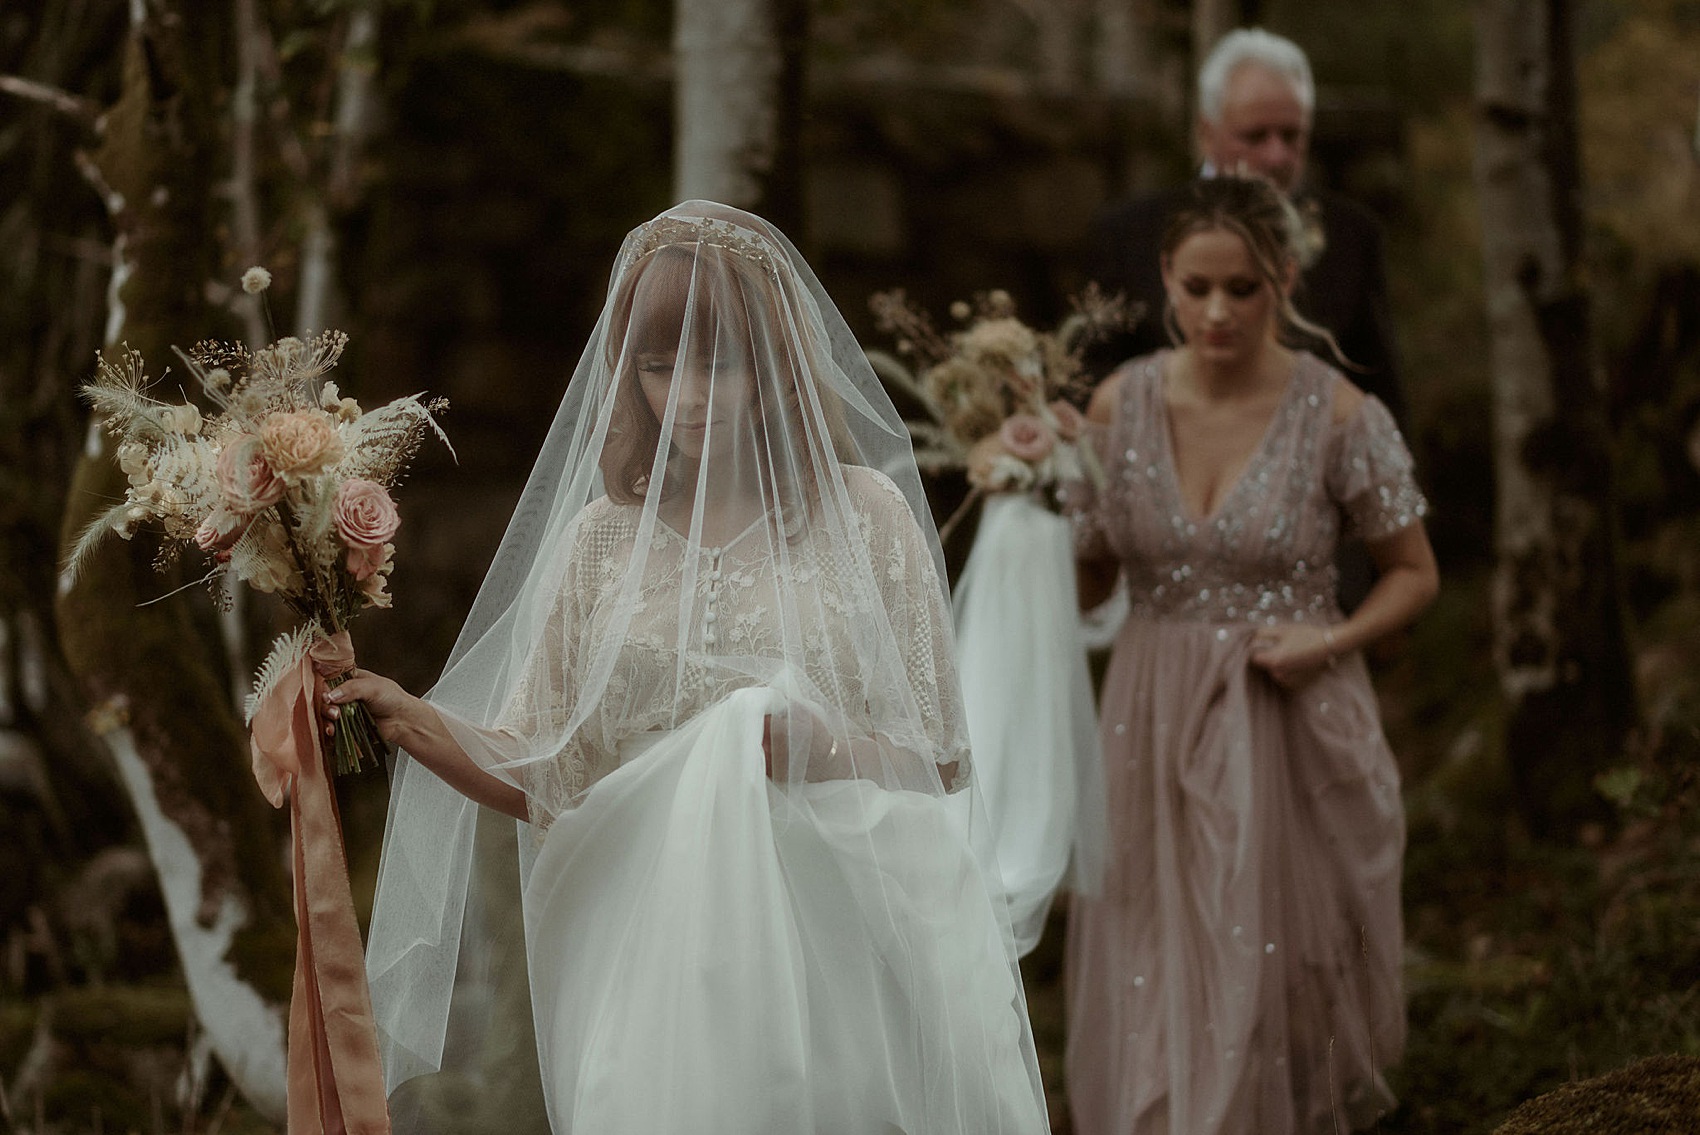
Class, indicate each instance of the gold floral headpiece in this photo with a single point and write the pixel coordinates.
(733, 238)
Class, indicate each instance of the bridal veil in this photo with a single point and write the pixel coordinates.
(754, 892)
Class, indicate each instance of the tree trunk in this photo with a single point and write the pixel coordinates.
(1558, 625)
(738, 101)
(1211, 20)
(60, 803)
(319, 299)
(152, 671)
(1124, 58)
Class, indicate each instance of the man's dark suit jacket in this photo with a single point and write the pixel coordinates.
(1344, 291)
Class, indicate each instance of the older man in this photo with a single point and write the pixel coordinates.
(1255, 100)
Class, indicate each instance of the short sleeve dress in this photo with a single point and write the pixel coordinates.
(1241, 971)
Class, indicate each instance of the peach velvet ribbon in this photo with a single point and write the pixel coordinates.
(336, 1081)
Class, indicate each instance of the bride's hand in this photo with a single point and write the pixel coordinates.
(386, 701)
(1292, 654)
(823, 752)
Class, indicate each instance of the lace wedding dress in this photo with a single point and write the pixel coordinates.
(712, 953)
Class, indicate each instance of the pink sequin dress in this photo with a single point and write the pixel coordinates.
(1240, 974)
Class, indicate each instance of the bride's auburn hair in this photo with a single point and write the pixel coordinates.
(1272, 231)
(703, 292)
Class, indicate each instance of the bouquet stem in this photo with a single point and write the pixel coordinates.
(357, 743)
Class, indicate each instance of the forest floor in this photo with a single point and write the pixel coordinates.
(1528, 964)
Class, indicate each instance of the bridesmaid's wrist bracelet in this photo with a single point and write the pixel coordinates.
(1329, 644)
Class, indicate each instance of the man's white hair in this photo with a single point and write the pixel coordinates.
(1252, 45)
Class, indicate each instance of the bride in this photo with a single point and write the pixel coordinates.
(709, 677)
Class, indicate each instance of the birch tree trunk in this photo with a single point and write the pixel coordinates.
(319, 299)
(738, 98)
(151, 672)
(1123, 56)
(1558, 625)
(1211, 20)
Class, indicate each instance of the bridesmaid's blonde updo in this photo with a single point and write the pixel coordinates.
(1273, 233)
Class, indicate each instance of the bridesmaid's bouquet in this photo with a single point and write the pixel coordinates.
(285, 484)
(1000, 402)
(998, 376)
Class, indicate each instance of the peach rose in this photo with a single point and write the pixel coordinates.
(300, 443)
(366, 519)
(245, 478)
(1026, 438)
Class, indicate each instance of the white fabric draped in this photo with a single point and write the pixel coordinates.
(1028, 699)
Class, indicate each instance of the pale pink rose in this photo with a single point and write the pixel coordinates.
(373, 588)
(365, 516)
(364, 560)
(1026, 438)
(300, 443)
(1071, 423)
(245, 478)
(221, 529)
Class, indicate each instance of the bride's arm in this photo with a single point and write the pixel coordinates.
(415, 725)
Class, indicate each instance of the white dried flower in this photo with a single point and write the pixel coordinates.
(250, 405)
(345, 409)
(184, 419)
(256, 280)
(1007, 339)
(961, 310)
(136, 462)
(1008, 473)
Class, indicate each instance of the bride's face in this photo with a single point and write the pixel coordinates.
(706, 384)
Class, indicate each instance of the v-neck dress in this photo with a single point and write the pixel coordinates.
(1240, 972)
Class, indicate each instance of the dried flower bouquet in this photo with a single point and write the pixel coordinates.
(997, 375)
(286, 484)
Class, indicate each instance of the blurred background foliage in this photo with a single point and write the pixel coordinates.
(951, 146)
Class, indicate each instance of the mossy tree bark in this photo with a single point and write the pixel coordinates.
(1559, 636)
(59, 803)
(151, 671)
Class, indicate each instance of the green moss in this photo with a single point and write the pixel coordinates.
(123, 1015)
(87, 1100)
(1655, 1096)
(17, 1027)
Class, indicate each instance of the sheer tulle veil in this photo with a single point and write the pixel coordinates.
(713, 648)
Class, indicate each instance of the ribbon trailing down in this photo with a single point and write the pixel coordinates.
(336, 1083)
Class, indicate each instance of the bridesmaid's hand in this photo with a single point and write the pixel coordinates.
(981, 456)
(386, 701)
(1292, 654)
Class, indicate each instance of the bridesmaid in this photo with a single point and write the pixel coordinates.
(1241, 971)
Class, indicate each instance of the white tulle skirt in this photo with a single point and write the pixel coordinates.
(1028, 699)
(710, 953)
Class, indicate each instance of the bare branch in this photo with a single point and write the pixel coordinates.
(70, 105)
